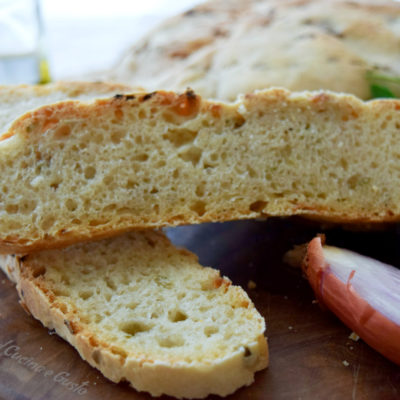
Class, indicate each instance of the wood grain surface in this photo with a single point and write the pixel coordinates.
(311, 355)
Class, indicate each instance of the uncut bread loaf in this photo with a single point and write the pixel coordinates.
(74, 170)
(222, 48)
(142, 311)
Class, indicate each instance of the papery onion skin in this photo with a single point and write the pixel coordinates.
(341, 298)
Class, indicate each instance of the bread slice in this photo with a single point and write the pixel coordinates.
(222, 48)
(78, 170)
(142, 311)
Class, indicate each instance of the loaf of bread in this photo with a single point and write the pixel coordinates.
(75, 170)
(222, 48)
(142, 311)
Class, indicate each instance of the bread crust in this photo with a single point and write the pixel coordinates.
(175, 377)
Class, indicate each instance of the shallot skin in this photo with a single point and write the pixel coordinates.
(341, 298)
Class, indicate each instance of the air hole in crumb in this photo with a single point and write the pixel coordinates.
(132, 305)
(116, 137)
(200, 190)
(258, 206)
(71, 205)
(86, 295)
(141, 157)
(134, 327)
(177, 316)
(192, 154)
(171, 341)
(211, 330)
(344, 164)
(142, 114)
(47, 223)
(252, 173)
(90, 172)
(239, 121)
(199, 207)
(180, 137)
(61, 292)
(12, 208)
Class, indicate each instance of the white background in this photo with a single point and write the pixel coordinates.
(89, 35)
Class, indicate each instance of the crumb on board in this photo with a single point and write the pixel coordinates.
(353, 336)
(290, 327)
(345, 363)
(315, 301)
(351, 347)
(251, 284)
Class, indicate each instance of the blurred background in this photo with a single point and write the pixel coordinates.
(62, 39)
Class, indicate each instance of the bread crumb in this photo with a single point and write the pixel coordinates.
(290, 328)
(251, 284)
(295, 257)
(351, 347)
(40, 348)
(353, 336)
(314, 301)
(345, 363)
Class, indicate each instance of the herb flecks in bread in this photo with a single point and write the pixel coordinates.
(141, 310)
(73, 170)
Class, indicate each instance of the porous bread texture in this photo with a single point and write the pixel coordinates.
(222, 48)
(74, 171)
(142, 311)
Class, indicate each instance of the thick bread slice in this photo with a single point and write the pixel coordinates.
(73, 171)
(222, 48)
(141, 310)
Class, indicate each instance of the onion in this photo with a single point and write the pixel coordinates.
(364, 293)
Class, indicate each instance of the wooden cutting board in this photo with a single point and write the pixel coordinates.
(311, 355)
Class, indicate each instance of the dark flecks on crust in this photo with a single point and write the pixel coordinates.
(148, 96)
(190, 94)
(125, 96)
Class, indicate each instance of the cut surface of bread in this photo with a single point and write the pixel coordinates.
(73, 170)
(222, 48)
(142, 311)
